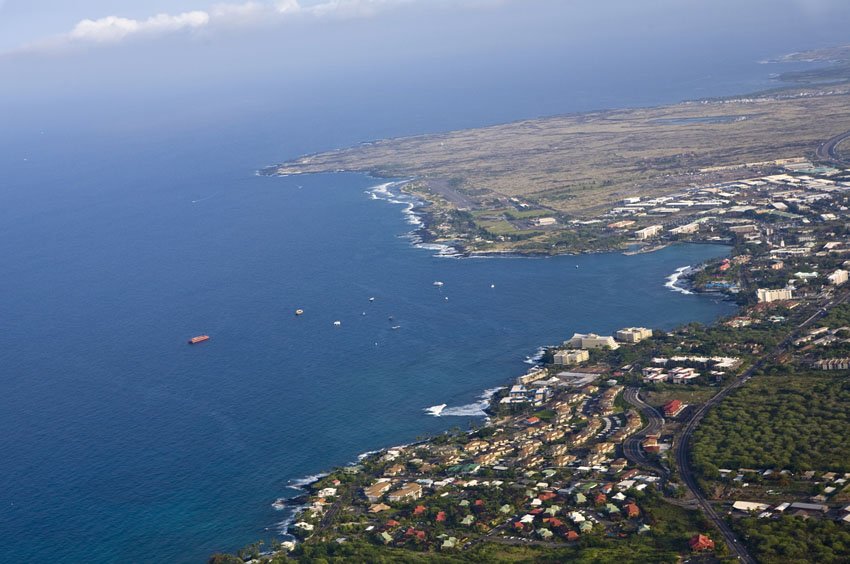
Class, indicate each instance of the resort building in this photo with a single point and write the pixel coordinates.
(766, 296)
(570, 357)
(633, 334)
(838, 277)
(648, 232)
(411, 490)
(374, 492)
(591, 341)
(673, 408)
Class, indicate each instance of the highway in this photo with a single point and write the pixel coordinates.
(631, 446)
(828, 150)
(681, 446)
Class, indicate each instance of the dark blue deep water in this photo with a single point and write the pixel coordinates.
(122, 443)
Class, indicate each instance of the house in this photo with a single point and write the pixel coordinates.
(468, 520)
(632, 510)
(374, 492)
(420, 509)
(378, 507)
(673, 407)
(386, 538)
(571, 536)
(698, 543)
(441, 517)
(410, 490)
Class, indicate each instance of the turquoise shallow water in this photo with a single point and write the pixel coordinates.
(121, 442)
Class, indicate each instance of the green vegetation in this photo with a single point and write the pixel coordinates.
(790, 539)
(798, 423)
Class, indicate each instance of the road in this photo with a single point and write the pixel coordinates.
(828, 150)
(631, 446)
(681, 446)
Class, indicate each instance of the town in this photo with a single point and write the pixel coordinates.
(640, 442)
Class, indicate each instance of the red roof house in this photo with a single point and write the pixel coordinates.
(701, 542)
(632, 510)
(420, 509)
(441, 516)
(572, 536)
(672, 408)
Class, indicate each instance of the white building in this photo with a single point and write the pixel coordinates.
(648, 232)
(766, 296)
(838, 277)
(633, 334)
(591, 341)
(570, 357)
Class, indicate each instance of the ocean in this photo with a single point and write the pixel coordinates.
(120, 241)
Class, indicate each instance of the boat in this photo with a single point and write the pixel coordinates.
(299, 312)
(337, 323)
(371, 299)
(438, 283)
(396, 327)
(199, 339)
(492, 285)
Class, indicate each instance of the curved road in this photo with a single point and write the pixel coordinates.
(631, 446)
(828, 150)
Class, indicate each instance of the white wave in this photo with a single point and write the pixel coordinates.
(673, 280)
(436, 410)
(366, 454)
(411, 205)
(469, 410)
(283, 525)
(301, 483)
(536, 357)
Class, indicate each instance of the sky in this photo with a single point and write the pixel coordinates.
(110, 59)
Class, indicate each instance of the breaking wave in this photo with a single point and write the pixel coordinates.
(475, 409)
(673, 280)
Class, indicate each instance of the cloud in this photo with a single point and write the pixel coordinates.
(113, 29)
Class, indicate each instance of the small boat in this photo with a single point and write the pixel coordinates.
(299, 312)
(492, 285)
(337, 323)
(438, 283)
(199, 339)
(371, 299)
(576, 266)
(396, 327)
(390, 318)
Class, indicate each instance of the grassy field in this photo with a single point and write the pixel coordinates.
(581, 164)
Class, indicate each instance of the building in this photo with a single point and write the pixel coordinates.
(633, 334)
(591, 341)
(410, 490)
(570, 357)
(545, 221)
(673, 408)
(833, 364)
(374, 492)
(698, 543)
(766, 296)
(686, 229)
(648, 232)
(838, 277)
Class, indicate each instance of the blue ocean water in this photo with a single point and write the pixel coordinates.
(121, 442)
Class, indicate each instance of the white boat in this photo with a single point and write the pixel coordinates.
(438, 283)
(396, 327)
(371, 299)
(337, 323)
(492, 285)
